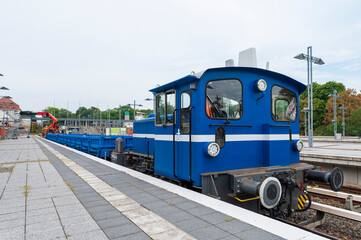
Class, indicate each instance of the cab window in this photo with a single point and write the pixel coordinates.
(185, 111)
(224, 99)
(160, 108)
(170, 106)
(165, 105)
(284, 104)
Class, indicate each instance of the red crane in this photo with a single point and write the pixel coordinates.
(53, 128)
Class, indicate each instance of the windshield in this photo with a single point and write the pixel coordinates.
(224, 99)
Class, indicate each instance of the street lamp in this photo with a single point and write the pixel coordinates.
(343, 119)
(335, 96)
(4, 97)
(310, 59)
(138, 105)
(120, 114)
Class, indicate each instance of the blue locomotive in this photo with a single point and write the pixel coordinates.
(232, 133)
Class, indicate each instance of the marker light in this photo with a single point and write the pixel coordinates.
(213, 149)
(261, 85)
(298, 146)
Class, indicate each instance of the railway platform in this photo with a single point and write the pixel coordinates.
(48, 191)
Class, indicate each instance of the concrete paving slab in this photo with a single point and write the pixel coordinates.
(97, 234)
(256, 234)
(11, 216)
(47, 234)
(19, 222)
(215, 218)
(112, 222)
(234, 226)
(135, 236)
(121, 231)
(81, 227)
(12, 233)
(209, 232)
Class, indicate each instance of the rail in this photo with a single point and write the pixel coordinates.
(336, 211)
(343, 195)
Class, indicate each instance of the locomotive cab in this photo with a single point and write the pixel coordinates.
(233, 132)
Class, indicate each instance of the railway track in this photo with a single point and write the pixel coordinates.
(333, 213)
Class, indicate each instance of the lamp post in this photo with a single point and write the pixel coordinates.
(4, 109)
(138, 105)
(109, 118)
(3, 88)
(120, 117)
(335, 96)
(343, 119)
(310, 59)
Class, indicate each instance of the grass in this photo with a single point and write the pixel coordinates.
(26, 187)
(228, 219)
(70, 186)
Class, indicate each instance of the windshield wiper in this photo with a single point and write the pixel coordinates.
(220, 112)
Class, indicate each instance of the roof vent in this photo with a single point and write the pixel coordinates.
(230, 63)
(247, 58)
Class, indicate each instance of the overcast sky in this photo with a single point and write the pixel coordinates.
(111, 52)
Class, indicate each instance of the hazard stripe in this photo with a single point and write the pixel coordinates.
(300, 202)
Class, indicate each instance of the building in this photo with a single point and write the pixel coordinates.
(9, 111)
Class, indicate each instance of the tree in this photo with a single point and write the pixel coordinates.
(78, 112)
(353, 126)
(349, 98)
(320, 100)
(146, 111)
(64, 113)
(52, 110)
(318, 114)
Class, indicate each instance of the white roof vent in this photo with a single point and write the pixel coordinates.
(247, 58)
(230, 63)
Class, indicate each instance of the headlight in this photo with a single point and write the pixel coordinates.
(213, 149)
(261, 85)
(298, 145)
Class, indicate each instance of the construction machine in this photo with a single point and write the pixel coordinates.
(53, 128)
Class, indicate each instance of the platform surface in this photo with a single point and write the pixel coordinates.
(51, 192)
(348, 149)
